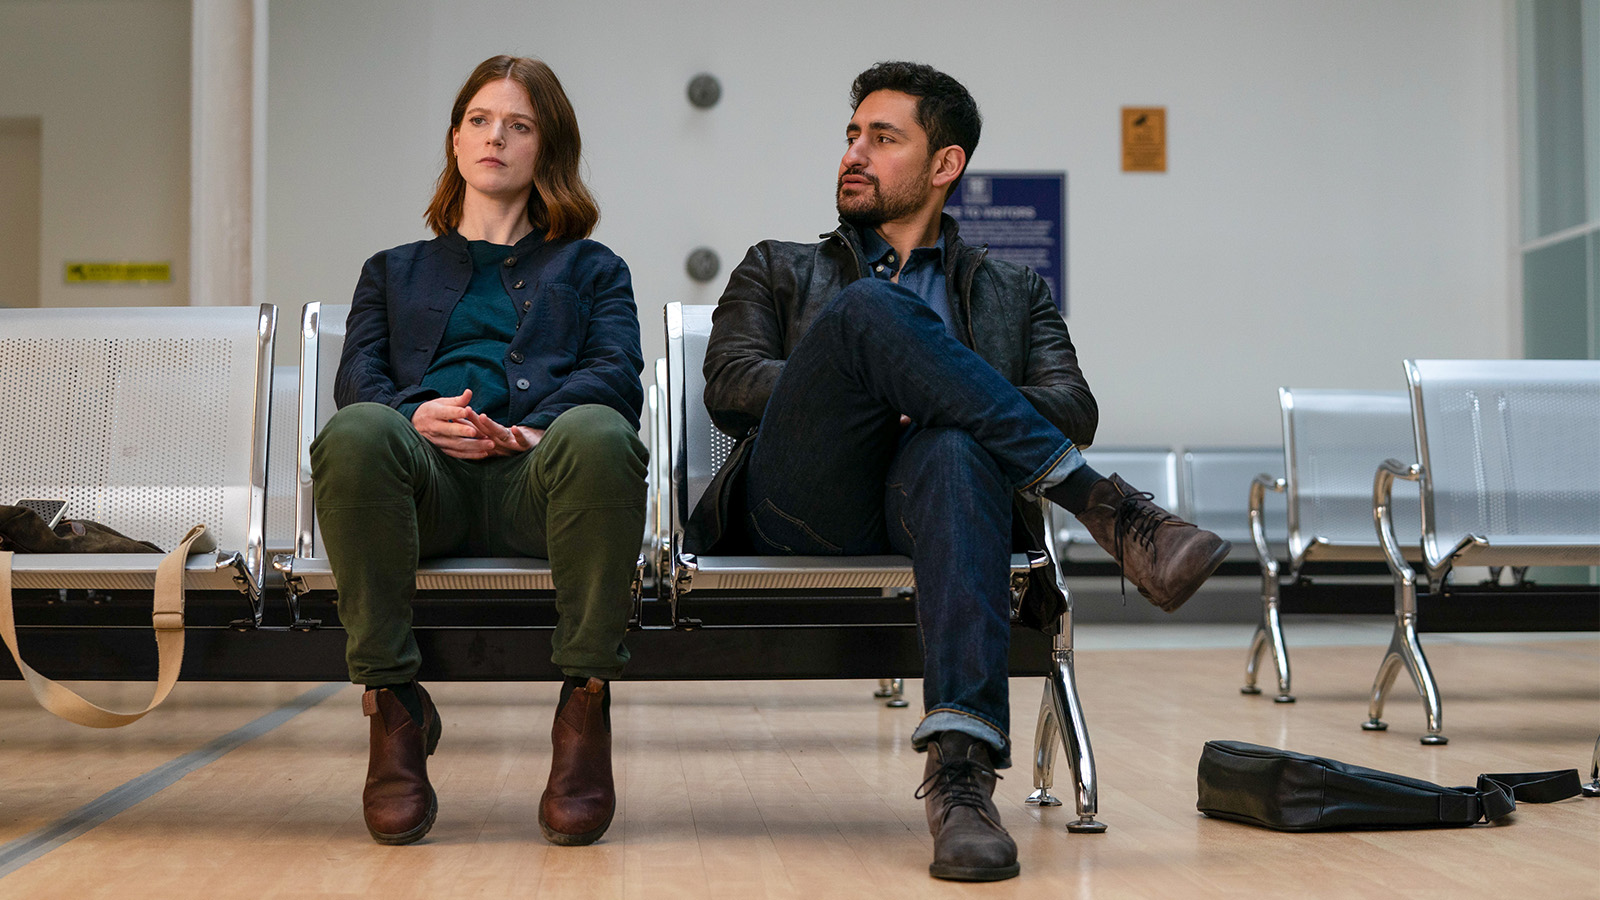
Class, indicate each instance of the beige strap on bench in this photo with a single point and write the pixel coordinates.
(166, 616)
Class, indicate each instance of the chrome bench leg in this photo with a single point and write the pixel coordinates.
(894, 691)
(1592, 789)
(1404, 650)
(1268, 636)
(1060, 714)
(1045, 736)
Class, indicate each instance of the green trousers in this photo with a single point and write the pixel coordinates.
(386, 498)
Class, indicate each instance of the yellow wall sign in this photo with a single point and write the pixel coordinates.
(1144, 139)
(117, 272)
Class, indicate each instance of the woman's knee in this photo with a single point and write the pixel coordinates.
(595, 443)
(358, 437)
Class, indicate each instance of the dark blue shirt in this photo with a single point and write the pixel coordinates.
(922, 274)
(472, 353)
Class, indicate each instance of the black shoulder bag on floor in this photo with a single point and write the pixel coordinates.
(1288, 791)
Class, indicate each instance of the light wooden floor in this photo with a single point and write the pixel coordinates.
(800, 789)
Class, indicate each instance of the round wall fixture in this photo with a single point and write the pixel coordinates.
(703, 264)
(704, 90)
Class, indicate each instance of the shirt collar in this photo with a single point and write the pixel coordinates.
(877, 249)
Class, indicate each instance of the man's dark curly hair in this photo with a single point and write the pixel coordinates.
(944, 108)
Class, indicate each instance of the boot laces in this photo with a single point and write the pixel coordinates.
(1136, 514)
(958, 778)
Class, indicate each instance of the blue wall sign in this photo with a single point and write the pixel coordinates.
(1022, 216)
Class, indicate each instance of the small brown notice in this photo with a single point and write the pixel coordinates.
(1144, 139)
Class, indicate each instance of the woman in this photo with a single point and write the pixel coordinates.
(489, 393)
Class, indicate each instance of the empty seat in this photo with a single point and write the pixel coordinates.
(155, 419)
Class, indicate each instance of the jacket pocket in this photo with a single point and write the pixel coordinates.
(554, 329)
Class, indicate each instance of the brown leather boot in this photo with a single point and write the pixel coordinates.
(580, 798)
(398, 803)
(969, 844)
(1166, 558)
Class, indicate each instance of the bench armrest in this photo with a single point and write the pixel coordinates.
(1258, 525)
(1383, 515)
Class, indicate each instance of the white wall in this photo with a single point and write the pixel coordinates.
(19, 211)
(1336, 201)
(109, 80)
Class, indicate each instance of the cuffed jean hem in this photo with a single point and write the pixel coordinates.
(1062, 463)
(966, 723)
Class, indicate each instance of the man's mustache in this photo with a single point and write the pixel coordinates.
(872, 179)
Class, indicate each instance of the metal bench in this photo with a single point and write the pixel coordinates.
(1508, 467)
(833, 617)
(1214, 484)
(1331, 441)
(148, 420)
(281, 460)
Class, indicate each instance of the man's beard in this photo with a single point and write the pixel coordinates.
(873, 208)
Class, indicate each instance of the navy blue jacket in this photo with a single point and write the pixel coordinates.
(577, 337)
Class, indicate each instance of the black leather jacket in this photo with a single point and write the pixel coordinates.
(1003, 310)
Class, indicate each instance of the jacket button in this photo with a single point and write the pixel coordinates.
(527, 304)
(516, 356)
(522, 384)
(519, 285)
(511, 261)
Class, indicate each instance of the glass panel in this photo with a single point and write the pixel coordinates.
(1554, 175)
(1555, 289)
(1591, 91)
(1594, 293)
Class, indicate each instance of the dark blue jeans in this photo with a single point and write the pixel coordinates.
(834, 473)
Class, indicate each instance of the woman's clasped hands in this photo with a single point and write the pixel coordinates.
(458, 430)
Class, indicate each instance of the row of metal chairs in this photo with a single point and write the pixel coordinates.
(1498, 466)
(175, 411)
(169, 412)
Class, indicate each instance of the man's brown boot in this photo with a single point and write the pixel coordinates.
(398, 803)
(969, 844)
(1166, 558)
(580, 798)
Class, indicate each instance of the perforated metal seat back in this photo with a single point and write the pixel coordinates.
(1216, 491)
(329, 346)
(1334, 441)
(140, 418)
(706, 448)
(281, 459)
(1512, 450)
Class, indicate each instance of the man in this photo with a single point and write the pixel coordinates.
(897, 391)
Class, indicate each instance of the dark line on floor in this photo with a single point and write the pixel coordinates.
(18, 853)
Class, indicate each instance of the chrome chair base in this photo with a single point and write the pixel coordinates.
(1043, 797)
(1061, 720)
(892, 690)
(1592, 789)
(1268, 638)
(1086, 826)
(1406, 652)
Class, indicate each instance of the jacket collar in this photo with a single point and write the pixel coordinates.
(455, 243)
(956, 252)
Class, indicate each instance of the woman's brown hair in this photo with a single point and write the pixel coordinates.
(559, 204)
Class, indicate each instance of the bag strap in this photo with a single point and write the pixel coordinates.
(166, 616)
(1500, 793)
